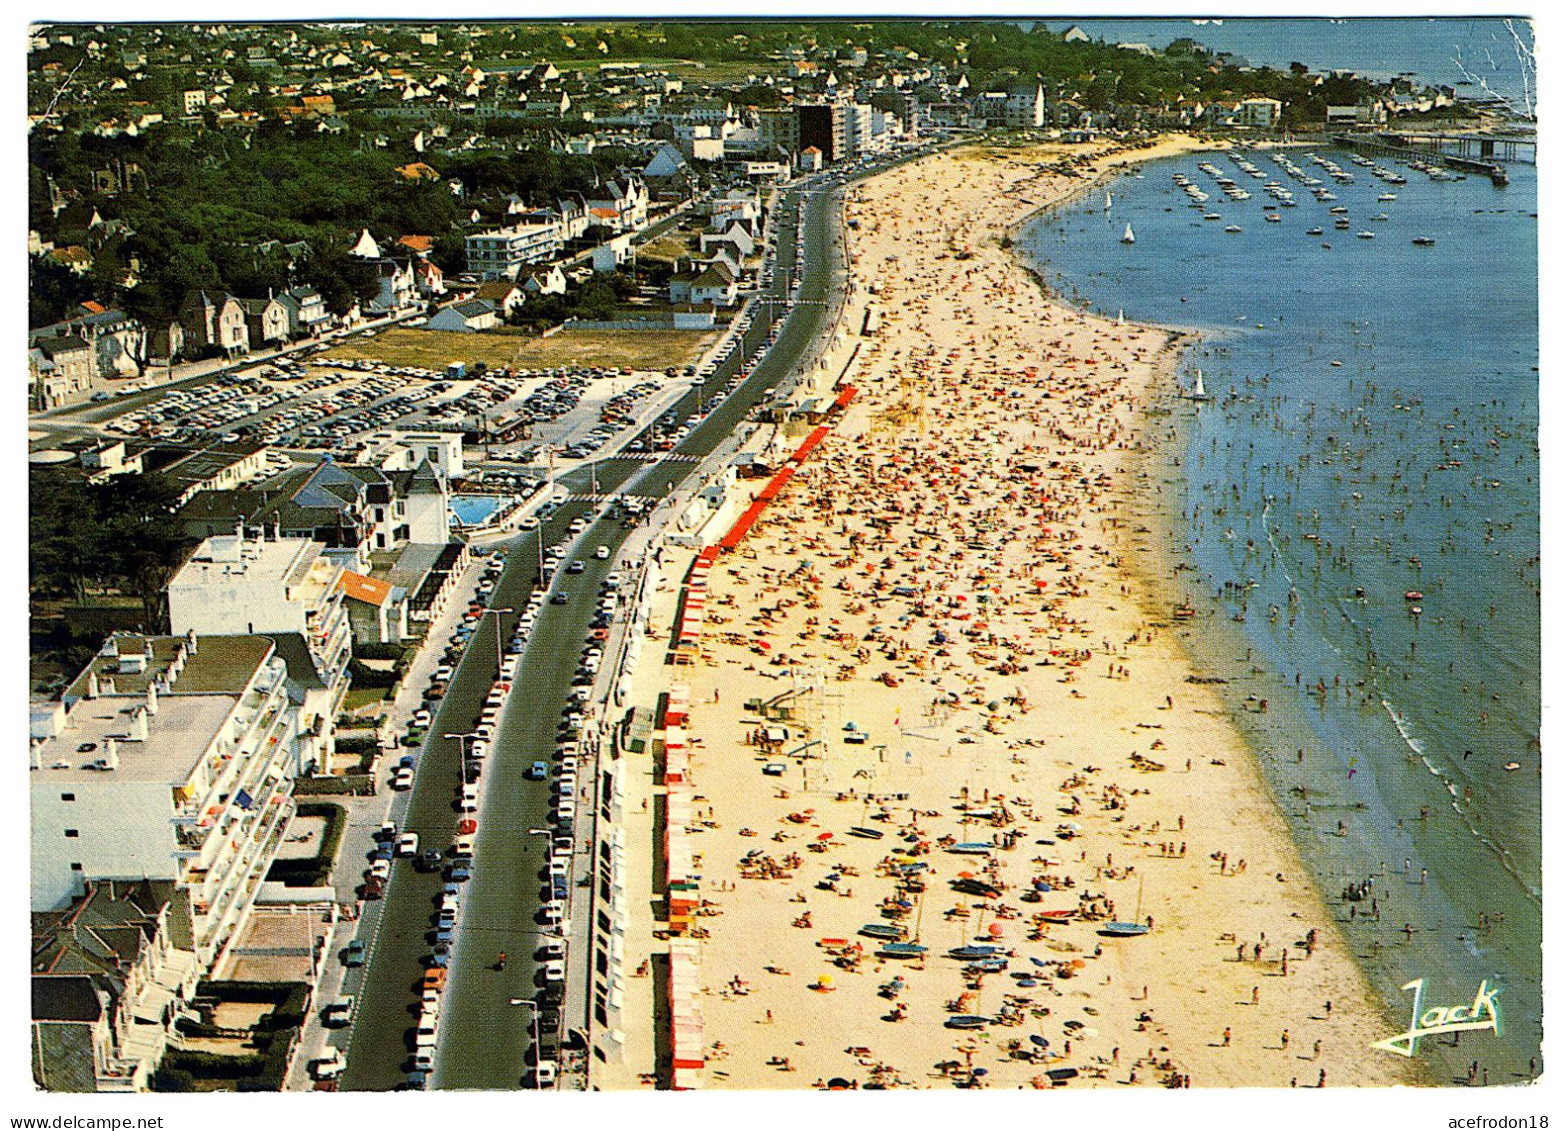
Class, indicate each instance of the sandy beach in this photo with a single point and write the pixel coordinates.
(974, 730)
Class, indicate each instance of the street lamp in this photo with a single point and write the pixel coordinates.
(498, 644)
(535, 1027)
(462, 739)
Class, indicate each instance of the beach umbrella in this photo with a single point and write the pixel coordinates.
(823, 836)
(996, 930)
(825, 979)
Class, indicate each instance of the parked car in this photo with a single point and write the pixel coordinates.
(339, 1012)
(355, 954)
(328, 1067)
(406, 844)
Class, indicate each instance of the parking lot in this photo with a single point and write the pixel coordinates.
(337, 405)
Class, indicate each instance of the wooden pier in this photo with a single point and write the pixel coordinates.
(1400, 145)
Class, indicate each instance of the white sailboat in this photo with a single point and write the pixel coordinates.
(1200, 393)
(1128, 237)
(1108, 203)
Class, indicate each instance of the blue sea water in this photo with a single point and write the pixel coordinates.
(1371, 431)
(1488, 58)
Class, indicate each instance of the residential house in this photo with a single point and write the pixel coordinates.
(627, 199)
(466, 317)
(305, 310)
(737, 235)
(266, 319)
(505, 294)
(1259, 113)
(397, 288)
(706, 284)
(548, 280)
(111, 974)
(429, 278)
(377, 610)
(612, 254)
(213, 325)
(667, 162)
(59, 370)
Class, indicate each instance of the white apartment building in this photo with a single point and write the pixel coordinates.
(504, 252)
(286, 588)
(170, 761)
(1026, 106)
(857, 129)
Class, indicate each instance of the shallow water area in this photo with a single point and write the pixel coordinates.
(1359, 503)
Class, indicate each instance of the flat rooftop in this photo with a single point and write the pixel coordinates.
(288, 563)
(220, 664)
(178, 737)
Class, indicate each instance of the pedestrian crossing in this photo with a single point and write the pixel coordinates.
(615, 497)
(656, 457)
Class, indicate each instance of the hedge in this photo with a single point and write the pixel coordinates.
(264, 1071)
(315, 870)
(358, 785)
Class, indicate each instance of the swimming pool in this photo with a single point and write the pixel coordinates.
(473, 511)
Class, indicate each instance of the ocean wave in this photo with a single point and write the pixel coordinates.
(1458, 800)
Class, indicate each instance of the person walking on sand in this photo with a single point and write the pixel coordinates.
(1228, 1033)
(1283, 1040)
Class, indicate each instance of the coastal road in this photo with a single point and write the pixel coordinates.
(483, 1036)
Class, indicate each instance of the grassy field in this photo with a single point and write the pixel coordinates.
(434, 349)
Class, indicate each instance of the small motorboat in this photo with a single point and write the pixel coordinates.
(1057, 916)
(1423, 241)
(866, 833)
(1314, 232)
(901, 950)
(1234, 228)
(967, 1021)
(972, 952)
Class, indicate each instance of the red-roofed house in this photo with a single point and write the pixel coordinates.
(418, 245)
(376, 609)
